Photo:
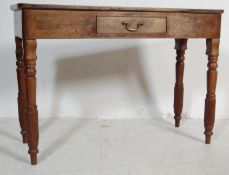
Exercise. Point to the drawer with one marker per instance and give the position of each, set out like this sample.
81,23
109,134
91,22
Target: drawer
123,24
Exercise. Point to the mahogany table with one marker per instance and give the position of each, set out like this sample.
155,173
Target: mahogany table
39,21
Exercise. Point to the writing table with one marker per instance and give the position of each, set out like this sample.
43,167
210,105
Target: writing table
40,21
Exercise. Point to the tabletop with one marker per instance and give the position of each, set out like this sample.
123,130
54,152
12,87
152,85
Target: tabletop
21,6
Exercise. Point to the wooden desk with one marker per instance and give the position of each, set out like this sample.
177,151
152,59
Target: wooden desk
33,21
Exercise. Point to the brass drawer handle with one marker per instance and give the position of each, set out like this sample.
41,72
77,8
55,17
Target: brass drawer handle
126,24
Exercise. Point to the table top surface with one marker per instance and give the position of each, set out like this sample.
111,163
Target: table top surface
22,6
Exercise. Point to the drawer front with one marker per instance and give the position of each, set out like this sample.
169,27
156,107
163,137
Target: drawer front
140,25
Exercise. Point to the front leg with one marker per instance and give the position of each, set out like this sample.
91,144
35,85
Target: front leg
180,46
210,101
31,109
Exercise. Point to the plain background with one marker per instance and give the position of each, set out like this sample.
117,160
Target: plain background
114,78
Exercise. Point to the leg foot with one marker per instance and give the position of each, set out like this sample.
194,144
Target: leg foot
177,122
208,137
33,158
24,137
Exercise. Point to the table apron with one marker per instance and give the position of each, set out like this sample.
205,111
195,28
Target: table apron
65,24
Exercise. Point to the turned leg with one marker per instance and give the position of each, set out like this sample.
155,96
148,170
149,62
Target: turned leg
180,46
210,101
21,87
31,109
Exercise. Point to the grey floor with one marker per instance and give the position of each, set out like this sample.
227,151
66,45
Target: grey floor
117,147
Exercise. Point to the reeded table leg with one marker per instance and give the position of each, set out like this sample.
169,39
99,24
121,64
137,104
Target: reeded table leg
21,88
210,101
180,46
31,109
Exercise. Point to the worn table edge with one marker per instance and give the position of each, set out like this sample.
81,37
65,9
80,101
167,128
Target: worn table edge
22,6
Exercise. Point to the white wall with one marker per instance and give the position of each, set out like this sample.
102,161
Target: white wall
114,78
